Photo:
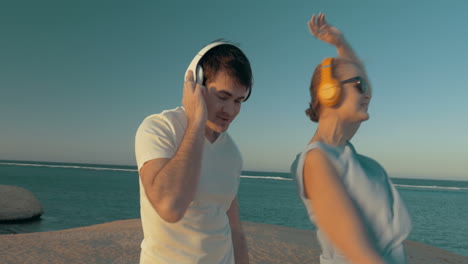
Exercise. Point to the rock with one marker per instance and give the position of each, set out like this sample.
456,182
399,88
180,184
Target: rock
119,243
17,203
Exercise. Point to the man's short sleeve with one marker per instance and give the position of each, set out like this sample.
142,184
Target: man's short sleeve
155,138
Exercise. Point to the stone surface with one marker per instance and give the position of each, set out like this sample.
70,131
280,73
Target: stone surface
17,203
119,242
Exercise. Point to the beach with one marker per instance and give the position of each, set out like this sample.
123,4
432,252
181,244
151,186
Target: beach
86,195
119,242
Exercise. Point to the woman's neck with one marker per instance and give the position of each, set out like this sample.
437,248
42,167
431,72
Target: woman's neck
335,132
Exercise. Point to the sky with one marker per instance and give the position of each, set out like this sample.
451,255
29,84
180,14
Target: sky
78,77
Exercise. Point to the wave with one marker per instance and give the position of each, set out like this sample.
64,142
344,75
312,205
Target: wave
65,166
397,185
267,177
242,176
431,187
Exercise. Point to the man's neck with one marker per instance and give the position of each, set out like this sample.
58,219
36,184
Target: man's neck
211,135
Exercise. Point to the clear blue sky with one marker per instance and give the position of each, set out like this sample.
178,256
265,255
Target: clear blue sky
78,77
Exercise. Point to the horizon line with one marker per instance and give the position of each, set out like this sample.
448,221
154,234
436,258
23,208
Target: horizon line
243,171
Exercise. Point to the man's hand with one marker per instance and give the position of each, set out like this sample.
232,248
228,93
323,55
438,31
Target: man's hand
194,100
319,27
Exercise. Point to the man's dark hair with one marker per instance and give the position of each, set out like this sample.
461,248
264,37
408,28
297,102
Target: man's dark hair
230,58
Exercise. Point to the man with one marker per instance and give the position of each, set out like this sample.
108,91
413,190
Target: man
190,167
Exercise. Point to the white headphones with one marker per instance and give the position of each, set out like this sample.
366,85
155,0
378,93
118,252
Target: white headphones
195,67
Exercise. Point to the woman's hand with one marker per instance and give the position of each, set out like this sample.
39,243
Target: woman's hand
327,33
319,27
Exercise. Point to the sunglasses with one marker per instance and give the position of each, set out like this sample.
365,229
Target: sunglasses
361,84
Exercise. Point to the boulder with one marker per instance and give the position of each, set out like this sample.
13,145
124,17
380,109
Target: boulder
17,203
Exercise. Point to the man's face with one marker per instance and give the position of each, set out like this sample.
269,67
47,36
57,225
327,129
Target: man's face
223,99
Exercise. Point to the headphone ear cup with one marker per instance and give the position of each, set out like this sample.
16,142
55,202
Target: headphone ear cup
329,94
329,90
199,75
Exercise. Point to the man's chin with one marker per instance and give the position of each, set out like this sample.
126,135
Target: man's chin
221,129
217,128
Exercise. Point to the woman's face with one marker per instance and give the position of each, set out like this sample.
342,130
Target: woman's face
354,103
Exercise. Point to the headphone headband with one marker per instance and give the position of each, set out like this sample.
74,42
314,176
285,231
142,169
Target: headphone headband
327,69
197,69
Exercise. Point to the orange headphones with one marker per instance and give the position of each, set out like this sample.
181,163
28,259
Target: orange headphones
329,90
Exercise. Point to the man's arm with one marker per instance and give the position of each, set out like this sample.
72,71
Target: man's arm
239,243
171,184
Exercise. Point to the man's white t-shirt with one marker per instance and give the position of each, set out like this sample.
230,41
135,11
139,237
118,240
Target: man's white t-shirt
203,235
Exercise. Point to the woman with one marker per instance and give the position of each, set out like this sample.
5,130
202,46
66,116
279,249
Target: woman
359,214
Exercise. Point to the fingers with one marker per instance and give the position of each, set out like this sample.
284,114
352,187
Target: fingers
192,87
193,98
202,89
189,76
322,24
318,25
321,20
189,84
312,26
325,23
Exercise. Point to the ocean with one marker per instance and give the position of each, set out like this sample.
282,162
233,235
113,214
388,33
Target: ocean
76,195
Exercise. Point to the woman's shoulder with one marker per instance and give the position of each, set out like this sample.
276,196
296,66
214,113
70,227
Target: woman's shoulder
318,155
323,147
321,150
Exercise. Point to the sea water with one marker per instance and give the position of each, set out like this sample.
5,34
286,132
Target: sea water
76,195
